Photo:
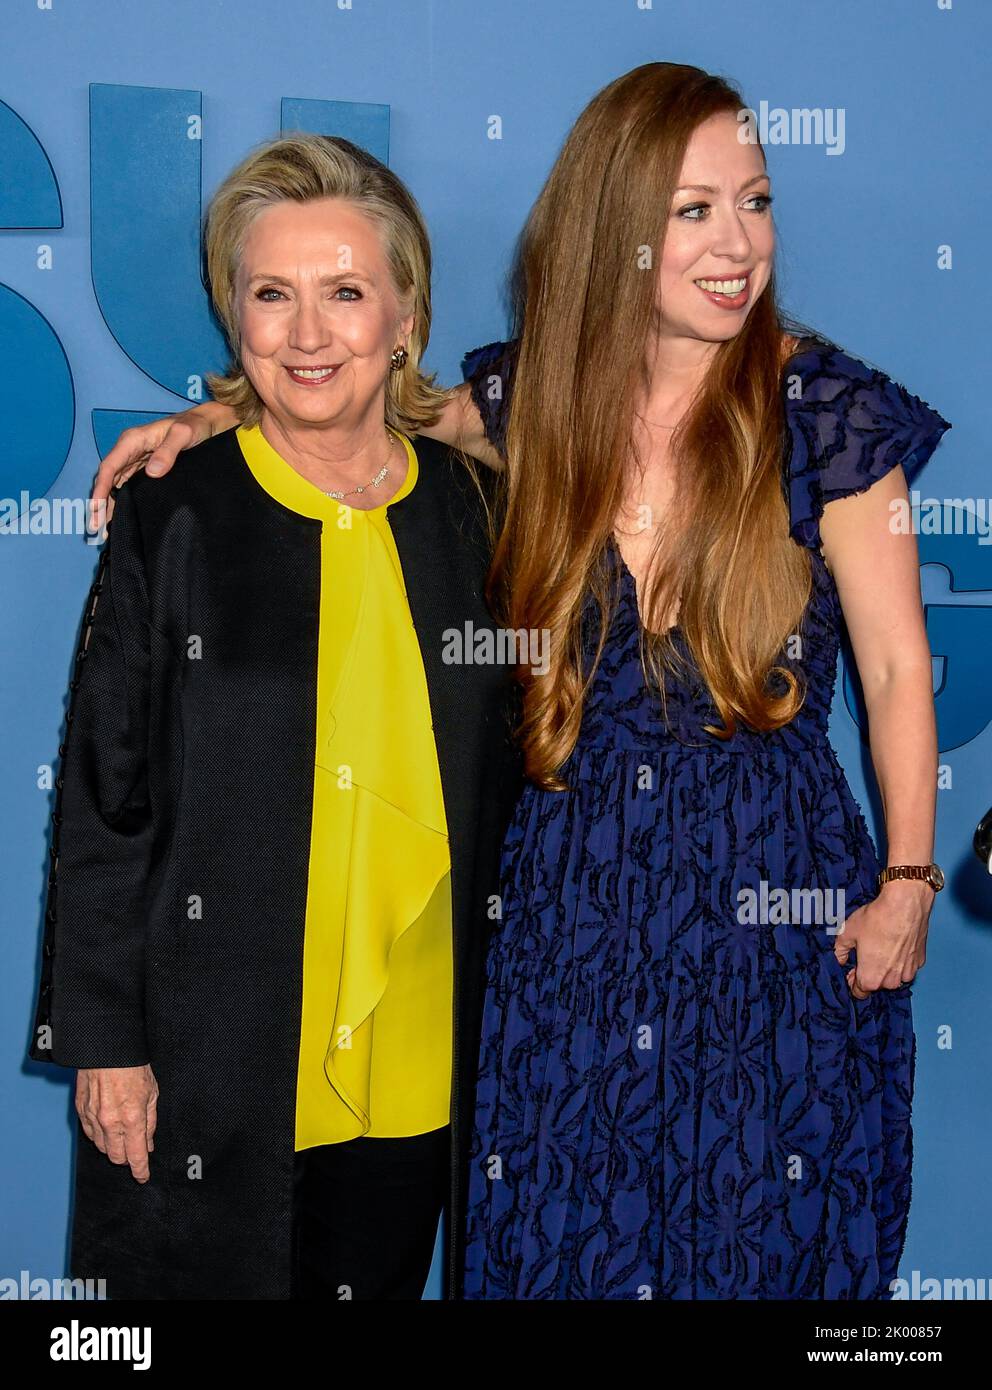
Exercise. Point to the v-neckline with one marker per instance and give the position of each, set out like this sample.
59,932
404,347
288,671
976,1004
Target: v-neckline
628,580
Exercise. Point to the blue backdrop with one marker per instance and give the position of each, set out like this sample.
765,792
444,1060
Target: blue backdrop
116,123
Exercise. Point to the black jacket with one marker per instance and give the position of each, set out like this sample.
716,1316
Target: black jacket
190,778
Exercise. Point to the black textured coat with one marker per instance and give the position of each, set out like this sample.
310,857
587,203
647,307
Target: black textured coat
186,777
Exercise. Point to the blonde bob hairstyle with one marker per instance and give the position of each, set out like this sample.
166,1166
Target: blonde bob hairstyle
300,167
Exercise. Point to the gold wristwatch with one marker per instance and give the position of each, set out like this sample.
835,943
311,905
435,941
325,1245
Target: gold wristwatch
929,873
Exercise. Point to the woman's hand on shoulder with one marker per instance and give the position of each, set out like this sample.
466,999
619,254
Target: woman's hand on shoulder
117,1108
154,447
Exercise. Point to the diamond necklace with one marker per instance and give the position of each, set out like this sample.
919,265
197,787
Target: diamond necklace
374,482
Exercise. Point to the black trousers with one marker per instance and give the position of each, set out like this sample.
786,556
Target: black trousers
365,1216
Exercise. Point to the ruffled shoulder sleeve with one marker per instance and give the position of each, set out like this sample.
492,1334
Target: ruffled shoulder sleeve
489,371
848,424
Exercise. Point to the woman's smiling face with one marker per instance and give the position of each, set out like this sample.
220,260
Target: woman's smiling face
315,293
720,241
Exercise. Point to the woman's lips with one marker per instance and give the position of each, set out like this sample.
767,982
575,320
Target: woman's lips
723,300
326,374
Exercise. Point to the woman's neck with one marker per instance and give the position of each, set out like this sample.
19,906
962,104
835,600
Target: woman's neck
335,457
674,369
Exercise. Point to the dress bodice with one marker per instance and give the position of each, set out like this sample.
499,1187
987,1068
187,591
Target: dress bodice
847,425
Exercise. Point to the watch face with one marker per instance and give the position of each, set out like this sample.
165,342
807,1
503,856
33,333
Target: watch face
936,877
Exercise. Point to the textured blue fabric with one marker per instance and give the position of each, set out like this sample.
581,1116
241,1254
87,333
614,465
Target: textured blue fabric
673,1103
851,424
489,370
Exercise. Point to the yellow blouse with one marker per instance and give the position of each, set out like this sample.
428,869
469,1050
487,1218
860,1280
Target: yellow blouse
375,1043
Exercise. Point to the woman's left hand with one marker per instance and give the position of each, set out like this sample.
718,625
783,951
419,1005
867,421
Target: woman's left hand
890,936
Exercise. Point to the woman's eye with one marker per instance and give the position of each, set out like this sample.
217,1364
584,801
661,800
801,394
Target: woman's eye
696,212
350,291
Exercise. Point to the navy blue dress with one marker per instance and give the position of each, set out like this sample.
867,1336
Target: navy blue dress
675,1102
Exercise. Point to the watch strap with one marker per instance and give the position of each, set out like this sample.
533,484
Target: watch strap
923,872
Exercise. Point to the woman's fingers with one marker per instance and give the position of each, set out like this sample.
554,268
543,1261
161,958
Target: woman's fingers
881,964
127,456
893,978
82,1105
151,1116
153,447
128,1142
854,987
184,431
843,947
87,1110
124,459
113,1105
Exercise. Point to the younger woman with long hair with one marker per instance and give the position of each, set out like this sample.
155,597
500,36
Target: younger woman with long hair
687,1089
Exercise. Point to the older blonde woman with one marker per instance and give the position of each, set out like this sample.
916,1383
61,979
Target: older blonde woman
279,808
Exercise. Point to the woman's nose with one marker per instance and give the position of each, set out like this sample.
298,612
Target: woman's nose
731,238
307,329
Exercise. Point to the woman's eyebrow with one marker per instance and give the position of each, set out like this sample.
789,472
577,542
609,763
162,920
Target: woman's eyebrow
324,279
708,188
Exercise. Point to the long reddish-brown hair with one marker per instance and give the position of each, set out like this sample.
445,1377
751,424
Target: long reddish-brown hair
740,582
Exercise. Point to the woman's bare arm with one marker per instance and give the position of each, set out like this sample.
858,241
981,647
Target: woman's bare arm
154,447
460,426
876,569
